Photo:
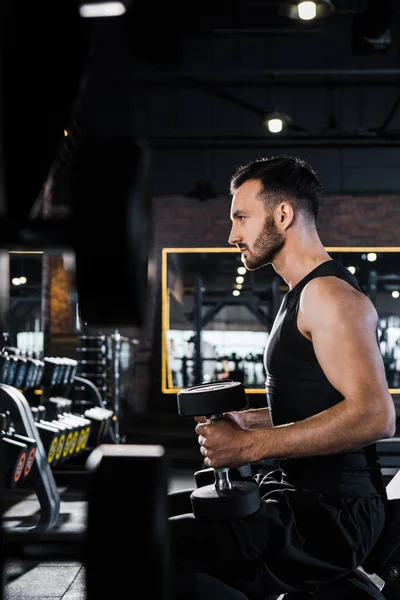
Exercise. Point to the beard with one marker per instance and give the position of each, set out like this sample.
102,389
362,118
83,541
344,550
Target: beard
266,247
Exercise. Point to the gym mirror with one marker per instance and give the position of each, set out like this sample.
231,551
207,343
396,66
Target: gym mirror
25,327
216,316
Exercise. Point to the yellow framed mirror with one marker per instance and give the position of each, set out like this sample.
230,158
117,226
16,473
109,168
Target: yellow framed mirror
216,319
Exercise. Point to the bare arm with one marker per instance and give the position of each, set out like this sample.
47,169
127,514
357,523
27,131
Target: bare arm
253,418
342,326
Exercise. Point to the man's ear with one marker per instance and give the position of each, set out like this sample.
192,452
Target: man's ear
285,215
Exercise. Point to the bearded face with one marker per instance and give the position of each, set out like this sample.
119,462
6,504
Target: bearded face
265,248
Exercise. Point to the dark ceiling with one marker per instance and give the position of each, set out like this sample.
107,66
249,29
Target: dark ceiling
156,70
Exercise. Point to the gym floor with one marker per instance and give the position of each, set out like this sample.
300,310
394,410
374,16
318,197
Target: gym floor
54,580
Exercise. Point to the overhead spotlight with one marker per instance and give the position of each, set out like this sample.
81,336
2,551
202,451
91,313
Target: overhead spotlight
275,122
90,9
306,11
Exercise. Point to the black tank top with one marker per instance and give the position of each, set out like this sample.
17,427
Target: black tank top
297,388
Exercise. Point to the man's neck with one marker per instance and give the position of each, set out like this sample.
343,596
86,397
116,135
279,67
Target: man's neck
294,266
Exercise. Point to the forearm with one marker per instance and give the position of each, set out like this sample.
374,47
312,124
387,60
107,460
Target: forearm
335,430
257,418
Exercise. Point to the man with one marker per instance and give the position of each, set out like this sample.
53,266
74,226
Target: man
328,403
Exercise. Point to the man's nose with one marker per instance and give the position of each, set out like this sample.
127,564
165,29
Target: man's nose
233,237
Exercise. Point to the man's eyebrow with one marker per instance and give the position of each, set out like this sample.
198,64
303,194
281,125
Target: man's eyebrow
239,213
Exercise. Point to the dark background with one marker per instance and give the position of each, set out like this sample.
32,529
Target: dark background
195,81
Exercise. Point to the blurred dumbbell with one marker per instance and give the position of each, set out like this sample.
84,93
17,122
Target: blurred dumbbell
67,431
100,421
84,428
32,366
12,370
39,375
57,405
51,369
62,441
75,430
50,439
7,429
20,374
4,366
31,453
14,454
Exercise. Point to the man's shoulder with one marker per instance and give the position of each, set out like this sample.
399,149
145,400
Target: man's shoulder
332,291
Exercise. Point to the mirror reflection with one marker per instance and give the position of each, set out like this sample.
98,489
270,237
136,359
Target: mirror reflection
217,316
25,327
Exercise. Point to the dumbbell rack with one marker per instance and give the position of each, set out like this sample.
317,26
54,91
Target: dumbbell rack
41,475
95,365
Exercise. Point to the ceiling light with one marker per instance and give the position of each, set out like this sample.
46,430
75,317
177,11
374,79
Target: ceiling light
90,9
275,122
306,11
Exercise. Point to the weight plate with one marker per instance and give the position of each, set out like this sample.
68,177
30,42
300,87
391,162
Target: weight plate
212,398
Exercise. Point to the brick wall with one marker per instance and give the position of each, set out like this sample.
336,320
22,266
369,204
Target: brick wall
185,222
58,308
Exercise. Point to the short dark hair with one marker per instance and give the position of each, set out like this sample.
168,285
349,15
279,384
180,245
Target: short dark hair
283,176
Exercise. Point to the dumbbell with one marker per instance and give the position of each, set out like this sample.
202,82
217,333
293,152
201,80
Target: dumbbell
14,456
31,453
84,427
50,436
205,476
75,430
100,418
224,498
7,429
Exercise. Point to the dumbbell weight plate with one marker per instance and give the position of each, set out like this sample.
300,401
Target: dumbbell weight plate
49,436
211,398
62,437
31,453
66,436
241,500
58,444
15,455
74,431
82,424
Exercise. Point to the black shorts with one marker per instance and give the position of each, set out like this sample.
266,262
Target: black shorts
296,540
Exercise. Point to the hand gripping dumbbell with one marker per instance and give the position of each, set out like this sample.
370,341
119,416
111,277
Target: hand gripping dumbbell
223,498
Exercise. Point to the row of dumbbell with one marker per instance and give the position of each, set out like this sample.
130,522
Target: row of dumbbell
62,438
67,434
30,373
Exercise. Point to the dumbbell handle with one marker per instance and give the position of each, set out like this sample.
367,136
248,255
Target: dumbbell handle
222,479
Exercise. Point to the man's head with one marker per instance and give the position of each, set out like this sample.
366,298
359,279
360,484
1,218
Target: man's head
269,195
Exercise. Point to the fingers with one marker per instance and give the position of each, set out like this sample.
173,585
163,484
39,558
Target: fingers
200,419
